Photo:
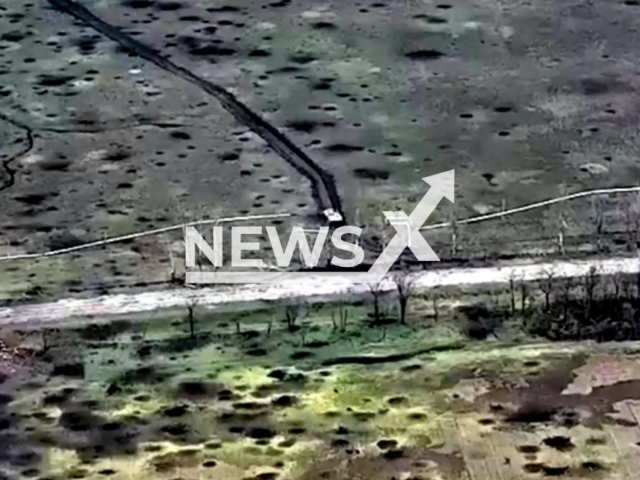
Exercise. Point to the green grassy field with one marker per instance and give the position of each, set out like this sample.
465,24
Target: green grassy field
252,397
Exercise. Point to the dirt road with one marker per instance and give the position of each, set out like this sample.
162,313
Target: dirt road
323,186
313,285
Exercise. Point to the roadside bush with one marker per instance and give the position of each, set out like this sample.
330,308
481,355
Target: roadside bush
595,307
481,320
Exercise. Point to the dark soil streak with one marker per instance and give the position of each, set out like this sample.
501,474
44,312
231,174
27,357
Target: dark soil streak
6,164
322,183
396,357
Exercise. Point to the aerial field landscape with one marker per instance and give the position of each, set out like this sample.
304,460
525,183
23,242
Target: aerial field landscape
516,356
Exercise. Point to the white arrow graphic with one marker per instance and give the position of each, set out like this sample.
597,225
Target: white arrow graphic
407,227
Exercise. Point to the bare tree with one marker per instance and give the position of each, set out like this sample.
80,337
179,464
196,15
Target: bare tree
524,295
561,234
173,274
405,286
50,338
512,292
303,336
269,326
343,316
618,286
631,223
292,313
547,285
455,230
590,283
561,218
376,291
598,214
192,303
567,286
435,296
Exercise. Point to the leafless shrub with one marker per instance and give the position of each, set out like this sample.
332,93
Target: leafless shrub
376,292
192,303
547,285
343,317
405,287
292,314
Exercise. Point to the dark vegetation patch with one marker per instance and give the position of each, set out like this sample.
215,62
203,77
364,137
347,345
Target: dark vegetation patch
554,471
280,3
259,53
146,374
426,54
223,9
13,36
93,436
302,58
99,332
343,148
323,26
212,50
594,86
528,449
87,44
596,441
533,413
396,357
118,154
137,3
533,467
180,135
393,453
60,240
482,320
168,6
559,442
72,370
285,401
593,307
55,164
176,429
432,19
591,466
196,389
306,126
54,80
301,355
31,198
229,156
371,173
387,444
260,433
175,411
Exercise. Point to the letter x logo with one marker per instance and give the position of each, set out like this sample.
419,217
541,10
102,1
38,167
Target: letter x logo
408,226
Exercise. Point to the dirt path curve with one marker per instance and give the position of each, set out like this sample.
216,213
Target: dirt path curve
323,185
312,285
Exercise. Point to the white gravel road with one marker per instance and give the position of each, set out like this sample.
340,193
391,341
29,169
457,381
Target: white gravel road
309,286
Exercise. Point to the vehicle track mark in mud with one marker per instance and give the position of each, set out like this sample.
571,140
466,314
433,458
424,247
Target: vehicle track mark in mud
322,183
6,164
